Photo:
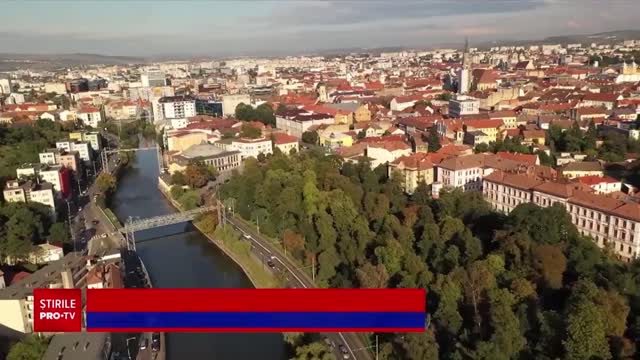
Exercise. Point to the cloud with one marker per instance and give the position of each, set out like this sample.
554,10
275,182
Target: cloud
296,26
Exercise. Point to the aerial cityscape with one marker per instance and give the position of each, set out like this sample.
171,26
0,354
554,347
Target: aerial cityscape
487,153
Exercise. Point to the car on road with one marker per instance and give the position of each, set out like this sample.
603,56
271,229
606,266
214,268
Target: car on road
144,343
344,352
155,341
95,222
247,236
271,261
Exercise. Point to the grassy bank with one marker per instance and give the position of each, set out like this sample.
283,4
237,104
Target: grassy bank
228,240
112,217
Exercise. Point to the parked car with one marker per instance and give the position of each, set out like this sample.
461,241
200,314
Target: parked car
144,343
344,352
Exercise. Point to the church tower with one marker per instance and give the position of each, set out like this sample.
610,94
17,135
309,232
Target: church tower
464,74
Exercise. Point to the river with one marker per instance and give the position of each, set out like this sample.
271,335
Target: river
179,259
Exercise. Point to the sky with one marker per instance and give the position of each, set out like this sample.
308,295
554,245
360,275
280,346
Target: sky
219,28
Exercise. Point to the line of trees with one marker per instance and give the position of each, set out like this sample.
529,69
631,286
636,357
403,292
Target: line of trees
527,285
20,145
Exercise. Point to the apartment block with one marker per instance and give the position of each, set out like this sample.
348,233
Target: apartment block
610,222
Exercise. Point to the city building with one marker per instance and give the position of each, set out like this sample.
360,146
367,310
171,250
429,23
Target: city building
285,143
56,175
230,102
601,184
68,159
6,87
153,78
77,85
463,105
252,147
46,253
177,107
56,88
84,149
90,116
209,107
182,140
611,223
412,170
334,140
30,191
296,122
582,168
466,172
105,276
222,159
79,346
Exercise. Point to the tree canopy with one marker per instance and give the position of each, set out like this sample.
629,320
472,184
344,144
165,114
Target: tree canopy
262,113
499,287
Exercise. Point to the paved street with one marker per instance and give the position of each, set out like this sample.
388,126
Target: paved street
265,250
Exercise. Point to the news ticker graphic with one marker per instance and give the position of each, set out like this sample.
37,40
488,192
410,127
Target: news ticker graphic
256,310
247,310
57,310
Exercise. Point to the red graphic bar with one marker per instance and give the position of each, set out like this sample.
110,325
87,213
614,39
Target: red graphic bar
258,300
256,330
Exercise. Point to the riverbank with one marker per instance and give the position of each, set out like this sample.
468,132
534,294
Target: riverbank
228,240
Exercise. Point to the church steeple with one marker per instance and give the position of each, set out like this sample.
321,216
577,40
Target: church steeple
466,63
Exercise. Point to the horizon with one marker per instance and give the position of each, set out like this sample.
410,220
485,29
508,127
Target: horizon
203,29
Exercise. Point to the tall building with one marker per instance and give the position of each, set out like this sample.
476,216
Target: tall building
464,74
178,107
463,105
5,86
153,78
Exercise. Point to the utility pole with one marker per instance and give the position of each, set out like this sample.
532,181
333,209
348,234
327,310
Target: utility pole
376,347
313,269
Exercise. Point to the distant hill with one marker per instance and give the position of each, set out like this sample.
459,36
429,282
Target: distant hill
600,38
54,61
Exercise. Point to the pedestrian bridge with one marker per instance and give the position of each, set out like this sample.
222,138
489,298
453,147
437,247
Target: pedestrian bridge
163,220
132,226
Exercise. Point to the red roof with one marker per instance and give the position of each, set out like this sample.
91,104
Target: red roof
529,159
374,85
603,97
594,180
88,109
282,138
418,161
484,124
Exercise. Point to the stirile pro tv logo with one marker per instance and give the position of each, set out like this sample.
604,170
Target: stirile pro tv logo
57,310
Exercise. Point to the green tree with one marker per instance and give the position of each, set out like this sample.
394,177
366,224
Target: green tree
551,263
420,346
372,276
59,233
178,178
106,183
433,140
189,200
310,137
197,174
250,132
362,134
586,333
31,347
314,351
